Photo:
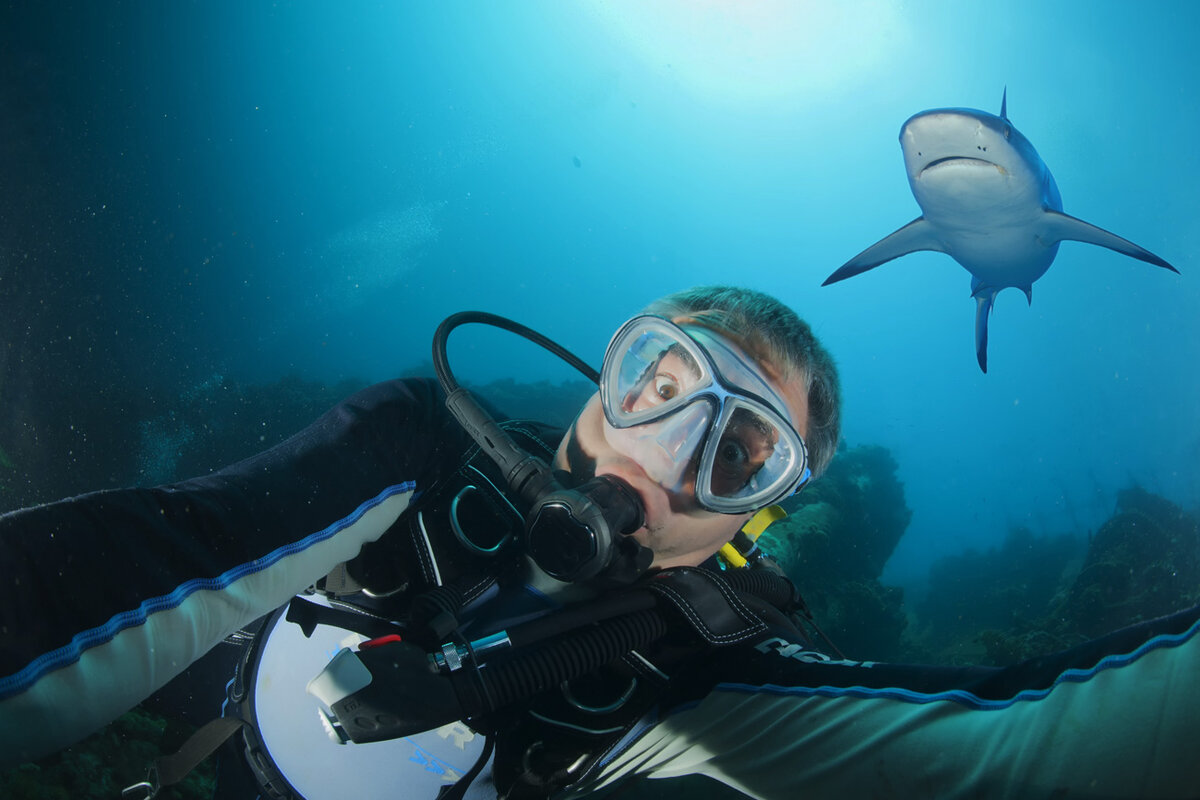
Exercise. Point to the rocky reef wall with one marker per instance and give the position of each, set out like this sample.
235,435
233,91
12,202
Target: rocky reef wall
837,537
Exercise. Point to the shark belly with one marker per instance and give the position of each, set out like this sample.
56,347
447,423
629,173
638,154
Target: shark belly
1000,257
987,219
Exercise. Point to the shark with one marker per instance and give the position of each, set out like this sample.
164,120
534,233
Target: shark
989,202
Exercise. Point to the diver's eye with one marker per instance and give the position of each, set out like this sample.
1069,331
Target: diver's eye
732,467
665,387
732,457
746,444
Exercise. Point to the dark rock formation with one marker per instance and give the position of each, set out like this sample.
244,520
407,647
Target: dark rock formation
99,767
1143,562
1008,605
839,533
995,589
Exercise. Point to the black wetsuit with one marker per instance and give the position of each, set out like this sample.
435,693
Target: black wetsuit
109,595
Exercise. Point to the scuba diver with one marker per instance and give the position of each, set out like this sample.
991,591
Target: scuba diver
547,608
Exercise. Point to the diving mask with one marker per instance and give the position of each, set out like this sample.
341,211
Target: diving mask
690,408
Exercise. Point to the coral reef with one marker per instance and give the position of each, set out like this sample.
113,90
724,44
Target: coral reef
839,533
1008,606
1141,564
99,767
1000,588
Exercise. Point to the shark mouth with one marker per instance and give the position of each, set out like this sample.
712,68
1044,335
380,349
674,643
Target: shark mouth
959,161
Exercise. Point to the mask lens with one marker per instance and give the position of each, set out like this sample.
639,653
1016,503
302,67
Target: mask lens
652,372
753,456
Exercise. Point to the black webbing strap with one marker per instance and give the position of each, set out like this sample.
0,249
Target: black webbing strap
459,789
308,615
170,770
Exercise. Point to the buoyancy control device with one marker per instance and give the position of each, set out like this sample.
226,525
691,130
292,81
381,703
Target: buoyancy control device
405,679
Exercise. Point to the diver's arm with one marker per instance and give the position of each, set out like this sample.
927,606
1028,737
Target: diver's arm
1119,717
109,595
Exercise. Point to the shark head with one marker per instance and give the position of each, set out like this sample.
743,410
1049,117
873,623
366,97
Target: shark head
976,158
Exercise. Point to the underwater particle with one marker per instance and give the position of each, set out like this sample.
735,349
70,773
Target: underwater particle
5,461
575,160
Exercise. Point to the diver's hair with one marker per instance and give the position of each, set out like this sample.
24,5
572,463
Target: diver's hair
771,332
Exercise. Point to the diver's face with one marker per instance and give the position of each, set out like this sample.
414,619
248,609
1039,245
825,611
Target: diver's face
676,529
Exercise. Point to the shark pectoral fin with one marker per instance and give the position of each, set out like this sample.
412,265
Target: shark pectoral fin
1058,226
916,235
983,310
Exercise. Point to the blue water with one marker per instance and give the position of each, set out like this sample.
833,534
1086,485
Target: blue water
194,189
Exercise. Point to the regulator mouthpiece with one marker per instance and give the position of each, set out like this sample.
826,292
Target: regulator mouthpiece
577,534
571,534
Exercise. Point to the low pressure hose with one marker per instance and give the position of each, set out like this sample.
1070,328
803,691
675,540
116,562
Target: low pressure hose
572,534
631,621
527,475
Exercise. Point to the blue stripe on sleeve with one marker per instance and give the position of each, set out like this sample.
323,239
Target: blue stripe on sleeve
70,653
961,696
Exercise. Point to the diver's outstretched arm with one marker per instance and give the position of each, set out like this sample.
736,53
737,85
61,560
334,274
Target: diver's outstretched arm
1116,717
109,595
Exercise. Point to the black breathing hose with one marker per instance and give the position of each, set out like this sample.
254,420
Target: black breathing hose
626,623
501,683
441,363
577,617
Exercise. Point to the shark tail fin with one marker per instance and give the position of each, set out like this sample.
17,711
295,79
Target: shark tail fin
983,310
1004,104
1058,226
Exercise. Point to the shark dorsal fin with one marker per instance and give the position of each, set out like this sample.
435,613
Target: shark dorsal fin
1004,104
